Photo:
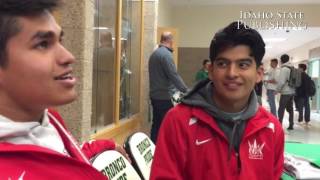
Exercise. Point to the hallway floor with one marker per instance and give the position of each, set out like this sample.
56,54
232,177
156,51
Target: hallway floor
301,133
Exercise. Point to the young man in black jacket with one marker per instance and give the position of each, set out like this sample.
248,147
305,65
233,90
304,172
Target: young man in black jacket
303,97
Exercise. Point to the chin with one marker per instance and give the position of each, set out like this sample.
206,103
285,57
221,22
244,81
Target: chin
72,98
232,97
68,98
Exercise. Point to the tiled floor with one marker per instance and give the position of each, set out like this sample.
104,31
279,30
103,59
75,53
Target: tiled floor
301,133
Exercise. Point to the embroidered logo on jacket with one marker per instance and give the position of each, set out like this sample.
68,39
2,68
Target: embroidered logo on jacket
198,143
192,121
271,126
255,150
20,177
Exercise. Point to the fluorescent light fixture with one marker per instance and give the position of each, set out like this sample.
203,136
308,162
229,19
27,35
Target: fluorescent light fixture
268,47
123,39
100,28
274,39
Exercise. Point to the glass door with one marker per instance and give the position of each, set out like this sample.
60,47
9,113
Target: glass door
314,72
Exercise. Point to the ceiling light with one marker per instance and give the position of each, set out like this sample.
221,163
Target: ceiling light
268,47
123,39
274,39
100,28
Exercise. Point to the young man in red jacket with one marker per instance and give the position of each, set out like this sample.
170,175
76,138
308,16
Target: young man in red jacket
219,131
36,73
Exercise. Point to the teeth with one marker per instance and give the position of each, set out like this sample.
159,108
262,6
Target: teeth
67,76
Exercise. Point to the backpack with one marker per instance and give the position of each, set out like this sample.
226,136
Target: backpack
307,88
294,80
310,88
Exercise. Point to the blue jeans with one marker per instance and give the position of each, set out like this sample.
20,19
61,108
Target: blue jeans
272,101
159,110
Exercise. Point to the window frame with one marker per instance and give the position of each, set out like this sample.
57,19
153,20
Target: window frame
122,128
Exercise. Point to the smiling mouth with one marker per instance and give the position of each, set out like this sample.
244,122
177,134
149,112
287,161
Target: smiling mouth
232,86
64,77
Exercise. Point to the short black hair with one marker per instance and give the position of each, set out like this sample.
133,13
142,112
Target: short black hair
235,34
274,60
303,67
10,10
284,58
205,61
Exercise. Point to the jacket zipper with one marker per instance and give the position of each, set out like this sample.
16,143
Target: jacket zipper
238,163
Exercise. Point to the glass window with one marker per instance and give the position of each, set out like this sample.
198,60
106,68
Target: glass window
103,88
315,69
130,58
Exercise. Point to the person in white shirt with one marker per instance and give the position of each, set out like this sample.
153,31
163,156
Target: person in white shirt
271,85
287,92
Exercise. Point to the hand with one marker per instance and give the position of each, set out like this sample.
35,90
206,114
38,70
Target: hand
272,81
123,152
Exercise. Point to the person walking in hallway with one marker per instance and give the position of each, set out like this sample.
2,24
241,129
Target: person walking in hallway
164,78
219,131
303,96
271,85
287,92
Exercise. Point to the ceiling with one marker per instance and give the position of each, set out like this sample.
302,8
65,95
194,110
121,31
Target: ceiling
281,41
226,2
290,39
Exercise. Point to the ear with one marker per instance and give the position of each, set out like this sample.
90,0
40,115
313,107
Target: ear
2,75
260,72
210,71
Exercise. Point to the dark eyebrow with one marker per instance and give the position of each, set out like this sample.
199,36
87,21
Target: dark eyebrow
225,59
221,59
246,59
46,35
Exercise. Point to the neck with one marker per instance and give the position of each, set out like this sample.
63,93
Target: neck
166,45
229,106
17,113
21,116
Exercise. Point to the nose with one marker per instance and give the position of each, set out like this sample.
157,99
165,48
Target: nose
65,57
232,71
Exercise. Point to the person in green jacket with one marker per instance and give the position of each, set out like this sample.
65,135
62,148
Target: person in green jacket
203,72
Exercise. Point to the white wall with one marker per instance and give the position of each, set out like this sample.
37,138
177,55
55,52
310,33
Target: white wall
164,13
197,24
302,53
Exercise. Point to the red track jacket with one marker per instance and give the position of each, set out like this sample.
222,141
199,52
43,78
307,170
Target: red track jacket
31,162
191,146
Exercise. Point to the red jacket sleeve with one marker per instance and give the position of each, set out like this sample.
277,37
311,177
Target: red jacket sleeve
169,158
279,154
94,147
91,148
